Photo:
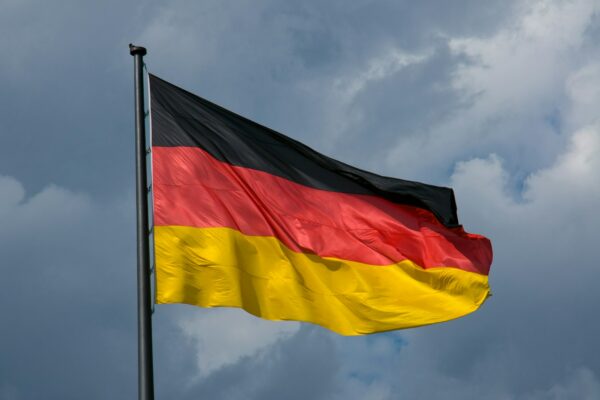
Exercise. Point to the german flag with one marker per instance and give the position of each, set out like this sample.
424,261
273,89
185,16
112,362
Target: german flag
247,217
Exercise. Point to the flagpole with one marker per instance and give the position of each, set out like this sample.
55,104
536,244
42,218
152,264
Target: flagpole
145,368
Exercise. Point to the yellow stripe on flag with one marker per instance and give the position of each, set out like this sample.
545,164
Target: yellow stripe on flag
211,267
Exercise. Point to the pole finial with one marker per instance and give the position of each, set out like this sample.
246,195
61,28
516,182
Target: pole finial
133,50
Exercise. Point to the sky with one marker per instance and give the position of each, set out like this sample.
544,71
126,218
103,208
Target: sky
497,99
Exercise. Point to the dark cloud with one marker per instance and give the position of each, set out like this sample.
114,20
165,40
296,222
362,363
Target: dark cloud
301,367
66,101
67,297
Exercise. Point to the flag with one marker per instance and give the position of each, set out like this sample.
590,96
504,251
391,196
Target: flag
247,217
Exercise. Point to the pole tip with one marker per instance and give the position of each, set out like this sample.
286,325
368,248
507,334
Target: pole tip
133,50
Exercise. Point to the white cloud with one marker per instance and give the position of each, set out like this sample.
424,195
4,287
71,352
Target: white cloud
521,64
583,90
51,206
513,86
12,193
561,194
576,171
391,61
340,94
222,337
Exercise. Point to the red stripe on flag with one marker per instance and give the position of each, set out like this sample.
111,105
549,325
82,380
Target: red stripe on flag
191,188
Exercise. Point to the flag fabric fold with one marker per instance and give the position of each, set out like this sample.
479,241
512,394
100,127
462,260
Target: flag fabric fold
247,217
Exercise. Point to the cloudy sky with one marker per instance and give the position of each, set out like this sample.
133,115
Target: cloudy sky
498,99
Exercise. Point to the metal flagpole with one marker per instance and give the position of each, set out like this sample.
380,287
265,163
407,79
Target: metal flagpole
145,373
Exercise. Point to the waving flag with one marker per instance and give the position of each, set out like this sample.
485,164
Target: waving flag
247,217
